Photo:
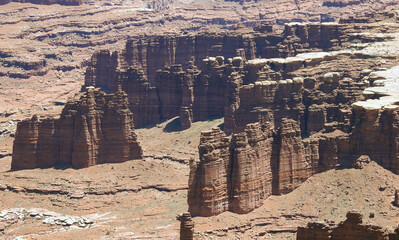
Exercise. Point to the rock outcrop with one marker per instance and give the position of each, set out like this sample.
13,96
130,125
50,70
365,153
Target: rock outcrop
98,128
206,75
352,228
238,173
376,134
289,162
154,53
186,227
251,170
208,180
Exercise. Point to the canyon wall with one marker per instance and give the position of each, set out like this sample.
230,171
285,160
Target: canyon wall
153,53
284,132
192,84
168,76
267,158
249,166
98,128
238,173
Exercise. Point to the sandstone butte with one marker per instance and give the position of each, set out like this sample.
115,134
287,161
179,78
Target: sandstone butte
97,128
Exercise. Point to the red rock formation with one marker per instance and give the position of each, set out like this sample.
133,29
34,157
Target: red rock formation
169,82
209,89
98,128
340,3
290,167
186,110
156,52
251,173
101,70
186,227
316,118
376,134
31,150
314,231
237,174
258,162
242,92
208,194
269,101
350,229
143,98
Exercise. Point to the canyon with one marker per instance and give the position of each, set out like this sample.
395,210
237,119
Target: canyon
241,119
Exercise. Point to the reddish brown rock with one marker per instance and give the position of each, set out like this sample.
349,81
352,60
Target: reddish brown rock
269,101
31,150
208,182
290,167
251,173
239,173
376,134
156,52
313,231
186,110
98,128
101,70
143,98
186,227
316,119
396,198
352,228
340,3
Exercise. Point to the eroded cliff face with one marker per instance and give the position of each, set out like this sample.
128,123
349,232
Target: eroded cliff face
205,75
292,130
98,128
154,53
248,167
290,167
376,134
251,170
209,177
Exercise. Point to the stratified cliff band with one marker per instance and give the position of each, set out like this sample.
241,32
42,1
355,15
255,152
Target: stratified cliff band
98,128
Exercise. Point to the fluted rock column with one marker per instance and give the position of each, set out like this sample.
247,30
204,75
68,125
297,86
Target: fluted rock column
251,175
208,183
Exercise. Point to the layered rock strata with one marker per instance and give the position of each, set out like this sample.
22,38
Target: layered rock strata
98,128
153,53
197,87
352,228
348,138
186,227
238,173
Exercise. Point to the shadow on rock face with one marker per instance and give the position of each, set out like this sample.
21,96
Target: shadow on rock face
173,126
